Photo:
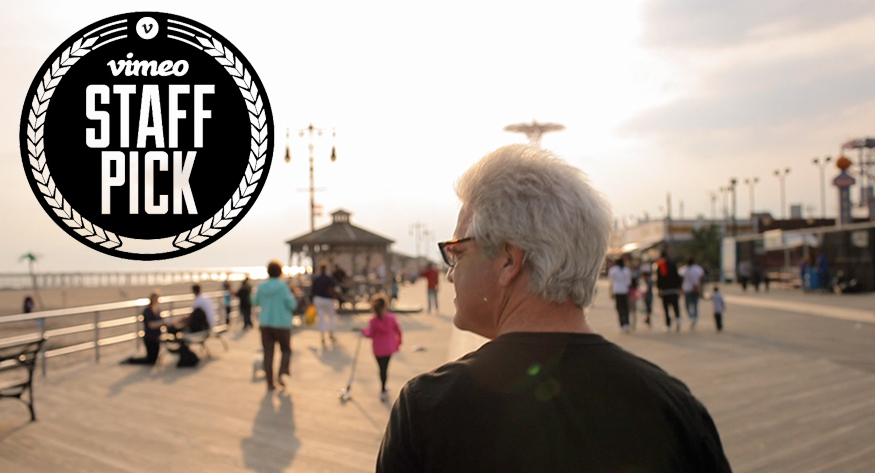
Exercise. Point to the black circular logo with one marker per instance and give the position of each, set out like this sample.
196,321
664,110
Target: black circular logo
146,136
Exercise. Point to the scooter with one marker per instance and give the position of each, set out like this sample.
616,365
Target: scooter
344,394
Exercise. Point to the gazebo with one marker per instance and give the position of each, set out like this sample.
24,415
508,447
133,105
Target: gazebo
341,240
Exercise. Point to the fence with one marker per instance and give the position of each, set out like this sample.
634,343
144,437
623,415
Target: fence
79,329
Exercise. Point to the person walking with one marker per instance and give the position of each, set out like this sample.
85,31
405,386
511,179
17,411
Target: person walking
28,304
693,280
545,393
756,274
744,274
324,291
385,332
719,308
394,296
668,284
621,279
244,297
823,271
275,323
342,287
647,296
634,291
226,301
431,276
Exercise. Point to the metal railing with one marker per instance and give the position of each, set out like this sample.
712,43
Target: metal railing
106,322
25,281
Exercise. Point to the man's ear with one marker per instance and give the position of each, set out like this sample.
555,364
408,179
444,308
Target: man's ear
511,260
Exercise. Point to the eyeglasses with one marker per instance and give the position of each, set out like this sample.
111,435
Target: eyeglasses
447,251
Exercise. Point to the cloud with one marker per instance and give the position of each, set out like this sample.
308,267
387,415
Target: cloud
690,24
762,96
745,92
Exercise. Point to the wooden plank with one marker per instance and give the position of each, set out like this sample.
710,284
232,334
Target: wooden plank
780,404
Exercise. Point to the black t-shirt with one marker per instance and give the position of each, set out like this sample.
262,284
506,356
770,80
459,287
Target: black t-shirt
549,402
150,333
323,285
244,294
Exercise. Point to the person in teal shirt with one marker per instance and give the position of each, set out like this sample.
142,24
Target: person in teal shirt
275,322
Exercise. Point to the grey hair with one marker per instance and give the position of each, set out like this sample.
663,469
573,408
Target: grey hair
532,199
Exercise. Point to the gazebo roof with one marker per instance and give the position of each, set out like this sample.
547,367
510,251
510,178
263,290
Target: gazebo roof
340,233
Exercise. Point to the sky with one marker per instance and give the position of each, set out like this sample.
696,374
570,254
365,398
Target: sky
657,96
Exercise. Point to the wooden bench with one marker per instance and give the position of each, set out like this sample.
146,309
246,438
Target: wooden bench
17,361
171,341
200,338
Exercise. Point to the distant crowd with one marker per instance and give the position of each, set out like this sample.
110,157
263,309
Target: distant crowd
632,284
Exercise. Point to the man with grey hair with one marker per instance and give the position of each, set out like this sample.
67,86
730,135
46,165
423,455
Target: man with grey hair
546,393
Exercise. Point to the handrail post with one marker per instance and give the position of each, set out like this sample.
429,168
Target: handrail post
42,334
139,341
97,337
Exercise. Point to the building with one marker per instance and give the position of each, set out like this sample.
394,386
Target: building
358,251
648,238
782,247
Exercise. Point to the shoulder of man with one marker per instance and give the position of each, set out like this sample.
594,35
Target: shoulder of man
421,411
439,389
691,418
425,404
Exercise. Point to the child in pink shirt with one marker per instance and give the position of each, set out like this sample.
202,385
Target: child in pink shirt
386,333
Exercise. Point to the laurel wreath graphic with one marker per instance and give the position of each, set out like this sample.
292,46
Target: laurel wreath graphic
258,147
187,239
35,146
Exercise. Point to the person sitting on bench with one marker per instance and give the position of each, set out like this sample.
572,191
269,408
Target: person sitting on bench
194,323
201,302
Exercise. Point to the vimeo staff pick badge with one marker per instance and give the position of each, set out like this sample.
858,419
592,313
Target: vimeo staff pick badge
146,136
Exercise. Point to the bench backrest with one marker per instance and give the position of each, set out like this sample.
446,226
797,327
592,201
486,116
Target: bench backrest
23,354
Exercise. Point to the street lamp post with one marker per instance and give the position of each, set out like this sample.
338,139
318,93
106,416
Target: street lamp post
751,183
782,175
732,183
318,131
420,231
713,204
668,217
821,163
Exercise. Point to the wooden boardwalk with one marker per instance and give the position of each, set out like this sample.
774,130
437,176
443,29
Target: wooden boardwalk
789,392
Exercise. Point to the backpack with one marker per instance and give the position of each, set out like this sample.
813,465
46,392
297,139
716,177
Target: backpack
187,358
667,276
